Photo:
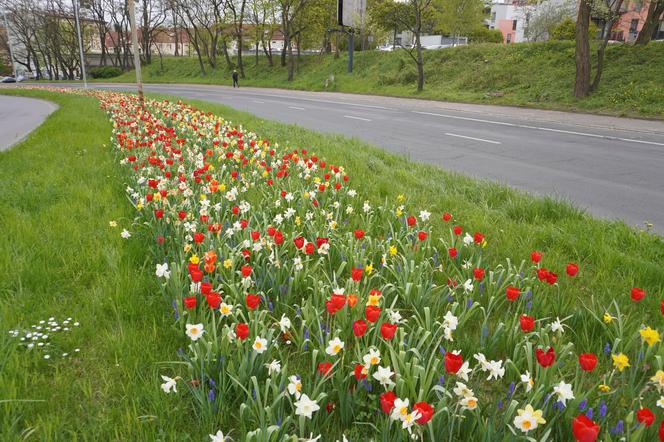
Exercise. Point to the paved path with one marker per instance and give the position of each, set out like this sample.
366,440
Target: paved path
19,116
614,167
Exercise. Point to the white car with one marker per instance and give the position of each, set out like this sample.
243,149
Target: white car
436,47
389,48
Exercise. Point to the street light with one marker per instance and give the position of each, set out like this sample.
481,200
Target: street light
80,43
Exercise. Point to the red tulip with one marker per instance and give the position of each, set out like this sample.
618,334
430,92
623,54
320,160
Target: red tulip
388,330
452,252
159,213
356,274
199,237
527,323
457,230
587,361
196,274
545,359
572,269
299,242
411,220
661,306
213,299
453,362
372,313
512,293
426,412
645,416
359,328
278,238
242,331
536,256
551,278
189,302
324,368
271,231
246,271
637,294
359,369
255,235
422,235
584,429
206,288
478,273
447,216
542,273
252,301
309,248
387,401
359,234
320,241
661,432
478,237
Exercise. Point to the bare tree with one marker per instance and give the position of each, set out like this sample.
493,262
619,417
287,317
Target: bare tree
655,11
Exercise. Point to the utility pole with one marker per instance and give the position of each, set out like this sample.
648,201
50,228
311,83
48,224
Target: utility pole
134,49
9,44
351,48
80,43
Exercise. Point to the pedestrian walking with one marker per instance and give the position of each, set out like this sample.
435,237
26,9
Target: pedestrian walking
235,78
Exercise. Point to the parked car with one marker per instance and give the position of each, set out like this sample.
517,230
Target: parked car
8,80
436,46
388,48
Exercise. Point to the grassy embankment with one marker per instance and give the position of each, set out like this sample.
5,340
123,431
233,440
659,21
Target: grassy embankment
530,74
60,258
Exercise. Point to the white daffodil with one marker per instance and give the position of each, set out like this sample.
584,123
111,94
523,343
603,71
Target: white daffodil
557,326
162,271
464,371
563,391
125,234
383,376
195,331
284,323
468,239
462,390
450,321
273,367
409,420
495,369
225,309
528,381
217,437
468,403
660,402
425,215
528,419
305,406
294,386
259,345
468,286
169,384
371,358
400,409
334,347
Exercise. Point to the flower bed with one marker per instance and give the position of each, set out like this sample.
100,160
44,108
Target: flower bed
308,311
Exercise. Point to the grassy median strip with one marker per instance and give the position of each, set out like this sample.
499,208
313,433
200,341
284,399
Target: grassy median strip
60,258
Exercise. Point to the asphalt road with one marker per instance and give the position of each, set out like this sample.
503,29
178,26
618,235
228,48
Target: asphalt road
19,116
613,167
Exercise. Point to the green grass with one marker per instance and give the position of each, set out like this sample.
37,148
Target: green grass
59,258
537,75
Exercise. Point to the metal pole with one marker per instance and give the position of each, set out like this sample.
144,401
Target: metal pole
134,49
351,48
9,44
80,44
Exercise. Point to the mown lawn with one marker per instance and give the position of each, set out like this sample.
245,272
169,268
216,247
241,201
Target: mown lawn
60,258
539,75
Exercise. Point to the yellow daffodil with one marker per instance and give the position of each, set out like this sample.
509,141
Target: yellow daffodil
186,248
608,318
157,196
202,197
393,250
604,388
139,206
194,259
113,223
228,263
620,361
401,198
222,187
650,336
368,269
658,380
374,300
298,221
398,212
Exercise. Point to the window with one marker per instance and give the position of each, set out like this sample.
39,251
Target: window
493,16
634,25
509,38
514,25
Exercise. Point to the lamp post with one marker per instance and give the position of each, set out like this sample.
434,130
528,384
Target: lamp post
80,43
134,49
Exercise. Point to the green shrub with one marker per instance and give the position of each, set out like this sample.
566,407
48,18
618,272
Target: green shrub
566,30
485,35
105,72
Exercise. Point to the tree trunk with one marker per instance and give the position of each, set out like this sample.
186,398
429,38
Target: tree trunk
655,11
420,64
582,83
283,51
291,61
605,41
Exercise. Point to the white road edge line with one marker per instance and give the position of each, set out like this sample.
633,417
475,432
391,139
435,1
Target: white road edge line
548,129
473,138
295,107
258,101
356,118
